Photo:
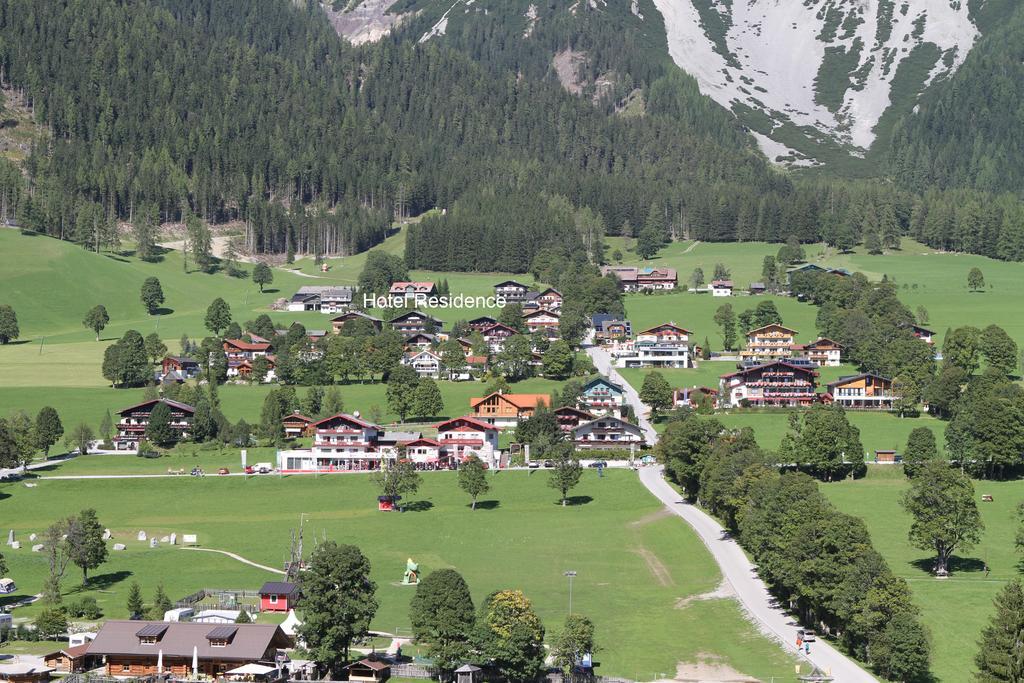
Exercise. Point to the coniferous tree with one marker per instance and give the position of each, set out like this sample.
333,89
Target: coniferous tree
1000,658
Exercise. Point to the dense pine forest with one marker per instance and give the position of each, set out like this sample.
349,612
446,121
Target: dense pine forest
162,110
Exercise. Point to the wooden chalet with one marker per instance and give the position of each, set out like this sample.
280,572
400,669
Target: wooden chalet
511,291
239,349
822,352
774,384
721,287
506,410
426,363
72,660
569,418
146,648
864,391
549,299
601,395
922,333
666,333
541,318
131,428
482,323
633,279
415,322
297,425
337,323
369,670
178,369
496,334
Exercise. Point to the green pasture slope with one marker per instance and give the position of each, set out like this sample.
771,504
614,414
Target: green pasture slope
634,563
955,609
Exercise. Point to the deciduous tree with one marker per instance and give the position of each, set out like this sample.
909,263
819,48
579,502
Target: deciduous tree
8,324
152,295
85,542
96,319
946,518
473,479
48,429
656,393
567,469
443,618
218,316
975,280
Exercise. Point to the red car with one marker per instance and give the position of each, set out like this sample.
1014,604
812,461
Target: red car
249,469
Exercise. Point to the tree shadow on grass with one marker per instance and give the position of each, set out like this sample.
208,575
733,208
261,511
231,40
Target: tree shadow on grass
956,564
487,504
116,257
417,506
18,342
4,495
576,500
102,582
270,290
163,311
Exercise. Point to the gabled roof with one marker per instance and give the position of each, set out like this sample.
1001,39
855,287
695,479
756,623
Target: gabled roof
425,352
917,328
355,314
184,360
279,587
609,418
541,311
417,287
472,421
247,346
569,410
172,404
745,371
420,335
824,341
496,326
722,283
506,283
518,400
410,314
673,326
482,319
765,327
602,380
345,417
549,290
757,285
853,378
422,441
251,641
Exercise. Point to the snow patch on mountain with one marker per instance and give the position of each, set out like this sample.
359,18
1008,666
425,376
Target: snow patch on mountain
826,64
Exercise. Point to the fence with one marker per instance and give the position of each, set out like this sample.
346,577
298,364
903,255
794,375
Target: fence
221,598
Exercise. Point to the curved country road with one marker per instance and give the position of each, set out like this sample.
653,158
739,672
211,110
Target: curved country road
241,559
736,567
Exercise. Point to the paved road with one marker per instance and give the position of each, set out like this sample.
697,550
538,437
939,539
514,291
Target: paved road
737,569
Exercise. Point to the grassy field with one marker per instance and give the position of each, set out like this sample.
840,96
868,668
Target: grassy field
969,590
634,562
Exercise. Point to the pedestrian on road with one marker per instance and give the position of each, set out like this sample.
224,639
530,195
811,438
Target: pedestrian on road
807,648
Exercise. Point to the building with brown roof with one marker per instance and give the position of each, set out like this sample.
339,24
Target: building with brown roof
506,410
144,648
131,428
72,660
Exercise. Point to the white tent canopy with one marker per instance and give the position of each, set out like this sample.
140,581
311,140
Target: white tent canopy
251,670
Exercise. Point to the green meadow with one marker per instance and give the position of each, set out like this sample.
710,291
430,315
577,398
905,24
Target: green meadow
635,564
970,589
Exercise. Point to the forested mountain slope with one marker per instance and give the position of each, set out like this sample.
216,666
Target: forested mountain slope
970,131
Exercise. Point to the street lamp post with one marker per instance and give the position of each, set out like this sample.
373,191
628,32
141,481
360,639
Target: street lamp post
571,573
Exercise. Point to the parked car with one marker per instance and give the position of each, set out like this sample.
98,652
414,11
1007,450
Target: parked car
223,470
549,463
249,469
533,465
810,636
264,467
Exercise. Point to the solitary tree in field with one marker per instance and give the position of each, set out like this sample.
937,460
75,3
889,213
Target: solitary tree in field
218,316
8,324
96,319
85,542
262,275
975,279
48,429
1001,657
152,295
473,479
442,618
946,518
337,602
567,472
726,320
697,278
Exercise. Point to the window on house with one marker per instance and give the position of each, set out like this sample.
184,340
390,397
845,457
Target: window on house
126,667
273,599
218,642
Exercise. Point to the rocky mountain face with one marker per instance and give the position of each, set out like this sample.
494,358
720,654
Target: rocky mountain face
832,66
